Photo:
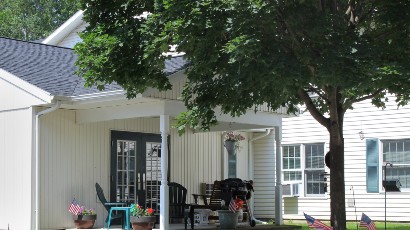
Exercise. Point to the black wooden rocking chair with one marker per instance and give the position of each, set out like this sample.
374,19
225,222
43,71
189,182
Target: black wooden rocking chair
108,205
177,200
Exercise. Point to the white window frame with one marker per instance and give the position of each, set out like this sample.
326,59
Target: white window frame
382,163
303,168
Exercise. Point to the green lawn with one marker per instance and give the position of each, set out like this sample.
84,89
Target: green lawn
353,225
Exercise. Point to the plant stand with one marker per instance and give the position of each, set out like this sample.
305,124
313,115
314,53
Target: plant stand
142,222
84,221
228,219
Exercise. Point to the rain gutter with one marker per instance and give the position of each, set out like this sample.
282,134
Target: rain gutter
37,143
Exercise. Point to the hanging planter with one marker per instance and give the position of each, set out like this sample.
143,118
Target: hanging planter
232,142
230,147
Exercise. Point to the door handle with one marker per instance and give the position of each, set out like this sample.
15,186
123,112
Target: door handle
144,181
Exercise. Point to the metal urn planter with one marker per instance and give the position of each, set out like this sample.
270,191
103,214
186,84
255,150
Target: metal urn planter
142,222
228,219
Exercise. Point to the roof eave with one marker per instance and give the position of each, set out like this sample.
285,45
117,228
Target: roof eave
31,89
62,31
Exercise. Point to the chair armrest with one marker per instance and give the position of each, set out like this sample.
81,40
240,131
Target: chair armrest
113,204
202,196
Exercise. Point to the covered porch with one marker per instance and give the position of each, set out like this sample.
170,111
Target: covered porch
79,134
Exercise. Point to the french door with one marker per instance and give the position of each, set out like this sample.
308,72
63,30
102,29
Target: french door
135,168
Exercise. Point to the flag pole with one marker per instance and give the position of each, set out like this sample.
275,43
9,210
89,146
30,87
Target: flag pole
354,204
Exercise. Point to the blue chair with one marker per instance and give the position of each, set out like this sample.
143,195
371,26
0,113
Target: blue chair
108,205
127,216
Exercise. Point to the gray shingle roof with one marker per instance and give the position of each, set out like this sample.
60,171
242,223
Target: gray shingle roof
52,68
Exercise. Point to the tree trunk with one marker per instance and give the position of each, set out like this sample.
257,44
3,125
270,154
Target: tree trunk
337,169
337,183
334,125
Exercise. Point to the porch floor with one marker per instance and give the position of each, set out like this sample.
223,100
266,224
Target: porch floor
242,226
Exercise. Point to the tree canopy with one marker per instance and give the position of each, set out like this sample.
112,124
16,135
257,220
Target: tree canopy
246,53
32,20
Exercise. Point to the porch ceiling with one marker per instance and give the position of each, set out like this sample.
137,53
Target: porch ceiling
151,107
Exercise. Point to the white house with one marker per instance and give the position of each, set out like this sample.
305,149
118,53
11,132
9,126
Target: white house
57,139
373,137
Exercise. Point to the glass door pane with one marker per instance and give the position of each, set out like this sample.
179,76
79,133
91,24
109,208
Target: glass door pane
125,178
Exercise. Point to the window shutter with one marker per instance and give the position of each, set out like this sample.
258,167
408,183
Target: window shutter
372,165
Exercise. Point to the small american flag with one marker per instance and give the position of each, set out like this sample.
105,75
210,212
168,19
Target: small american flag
74,207
232,206
313,223
367,222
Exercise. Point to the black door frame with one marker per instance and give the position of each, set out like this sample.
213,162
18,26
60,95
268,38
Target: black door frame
141,139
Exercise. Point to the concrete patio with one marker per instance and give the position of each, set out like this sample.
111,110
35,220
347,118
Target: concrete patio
242,226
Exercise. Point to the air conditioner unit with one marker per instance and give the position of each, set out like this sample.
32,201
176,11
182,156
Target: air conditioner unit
291,190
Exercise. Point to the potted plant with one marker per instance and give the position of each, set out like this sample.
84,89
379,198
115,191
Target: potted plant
142,219
232,142
85,218
228,216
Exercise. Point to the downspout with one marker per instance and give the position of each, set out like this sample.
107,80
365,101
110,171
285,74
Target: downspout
38,115
250,164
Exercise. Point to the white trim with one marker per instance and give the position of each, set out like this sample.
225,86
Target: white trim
164,190
59,34
25,86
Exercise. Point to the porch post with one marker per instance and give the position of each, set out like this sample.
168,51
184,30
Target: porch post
164,194
278,186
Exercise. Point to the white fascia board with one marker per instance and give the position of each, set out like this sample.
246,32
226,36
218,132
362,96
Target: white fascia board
102,99
61,32
99,97
31,89
262,119
147,109
250,120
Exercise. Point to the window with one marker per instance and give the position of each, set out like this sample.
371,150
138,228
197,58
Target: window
397,152
305,163
291,164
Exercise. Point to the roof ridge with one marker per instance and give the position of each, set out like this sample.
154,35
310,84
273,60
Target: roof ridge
37,43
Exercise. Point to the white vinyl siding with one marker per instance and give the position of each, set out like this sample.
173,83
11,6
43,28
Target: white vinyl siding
391,123
20,98
264,177
16,189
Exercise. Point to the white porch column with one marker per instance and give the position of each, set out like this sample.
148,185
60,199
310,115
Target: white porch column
278,186
164,194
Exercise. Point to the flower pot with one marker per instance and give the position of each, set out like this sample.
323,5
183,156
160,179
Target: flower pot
142,222
230,147
228,219
84,221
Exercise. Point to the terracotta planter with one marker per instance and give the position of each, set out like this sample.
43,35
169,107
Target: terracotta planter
142,222
230,147
228,219
84,221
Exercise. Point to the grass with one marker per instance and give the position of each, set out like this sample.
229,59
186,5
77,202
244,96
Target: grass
353,225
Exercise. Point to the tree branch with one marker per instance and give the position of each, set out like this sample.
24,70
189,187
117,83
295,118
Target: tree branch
370,96
316,90
313,110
